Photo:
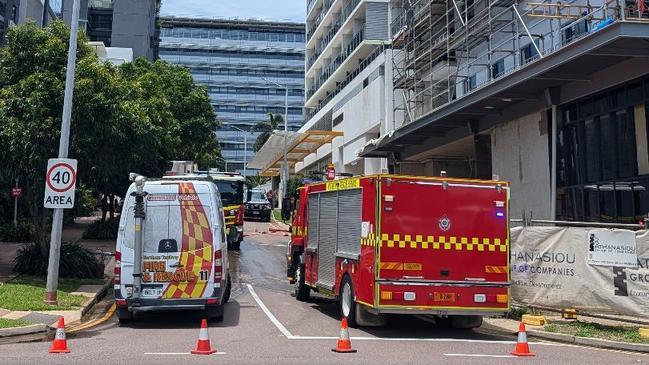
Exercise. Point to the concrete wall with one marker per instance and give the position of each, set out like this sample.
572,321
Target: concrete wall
520,155
134,26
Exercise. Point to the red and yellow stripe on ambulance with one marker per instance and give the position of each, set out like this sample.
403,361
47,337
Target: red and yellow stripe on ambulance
193,262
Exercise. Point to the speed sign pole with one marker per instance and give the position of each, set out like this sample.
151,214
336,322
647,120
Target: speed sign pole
57,220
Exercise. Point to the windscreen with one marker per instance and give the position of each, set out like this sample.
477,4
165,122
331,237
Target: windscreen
258,195
231,192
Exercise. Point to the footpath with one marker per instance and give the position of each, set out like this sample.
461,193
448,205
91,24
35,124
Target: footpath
33,322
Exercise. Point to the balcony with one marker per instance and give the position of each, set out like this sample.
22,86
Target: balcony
331,34
318,20
350,76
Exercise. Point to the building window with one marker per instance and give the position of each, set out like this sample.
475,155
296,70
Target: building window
529,53
598,178
498,68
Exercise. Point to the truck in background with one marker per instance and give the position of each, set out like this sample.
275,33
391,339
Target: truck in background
389,244
231,186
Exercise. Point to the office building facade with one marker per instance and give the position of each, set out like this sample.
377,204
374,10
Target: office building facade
21,11
245,66
348,81
551,97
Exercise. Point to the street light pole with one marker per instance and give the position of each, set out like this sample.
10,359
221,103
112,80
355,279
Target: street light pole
245,149
57,220
284,170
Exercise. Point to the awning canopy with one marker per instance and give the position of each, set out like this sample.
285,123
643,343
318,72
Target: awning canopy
298,146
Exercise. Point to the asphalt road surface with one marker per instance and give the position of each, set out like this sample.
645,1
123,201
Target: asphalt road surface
264,324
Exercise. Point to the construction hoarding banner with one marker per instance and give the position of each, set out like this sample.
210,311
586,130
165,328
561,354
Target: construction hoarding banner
551,267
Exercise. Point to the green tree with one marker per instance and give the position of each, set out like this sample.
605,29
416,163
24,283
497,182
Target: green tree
191,117
134,118
267,128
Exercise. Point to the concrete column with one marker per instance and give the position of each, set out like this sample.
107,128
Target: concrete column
482,149
642,152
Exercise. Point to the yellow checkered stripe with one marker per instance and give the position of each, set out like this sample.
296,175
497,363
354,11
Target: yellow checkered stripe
369,241
443,243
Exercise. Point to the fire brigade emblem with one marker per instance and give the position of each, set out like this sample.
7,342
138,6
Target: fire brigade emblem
444,223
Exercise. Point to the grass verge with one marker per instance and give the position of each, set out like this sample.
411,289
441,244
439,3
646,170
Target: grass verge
26,293
8,323
593,330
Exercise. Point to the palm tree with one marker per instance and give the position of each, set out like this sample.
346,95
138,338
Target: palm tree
267,128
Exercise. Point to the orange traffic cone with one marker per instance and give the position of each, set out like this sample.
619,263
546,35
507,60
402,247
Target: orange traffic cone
344,344
203,346
60,345
522,347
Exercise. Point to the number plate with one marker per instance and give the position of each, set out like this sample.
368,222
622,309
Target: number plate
444,297
255,212
151,292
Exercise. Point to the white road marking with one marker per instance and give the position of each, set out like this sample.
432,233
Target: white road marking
290,336
425,339
480,355
268,313
178,353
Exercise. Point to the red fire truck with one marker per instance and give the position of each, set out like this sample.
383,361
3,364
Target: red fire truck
389,244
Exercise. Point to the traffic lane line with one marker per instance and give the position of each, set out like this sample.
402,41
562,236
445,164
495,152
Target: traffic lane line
482,355
179,353
290,336
268,313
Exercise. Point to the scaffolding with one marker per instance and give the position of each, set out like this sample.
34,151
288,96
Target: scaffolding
444,50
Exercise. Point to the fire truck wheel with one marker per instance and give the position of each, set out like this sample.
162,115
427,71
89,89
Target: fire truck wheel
347,303
302,291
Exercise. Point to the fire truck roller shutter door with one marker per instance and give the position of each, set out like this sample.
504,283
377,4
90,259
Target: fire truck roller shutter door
313,220
349,222
327,238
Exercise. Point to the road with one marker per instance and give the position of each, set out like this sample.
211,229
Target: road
264,324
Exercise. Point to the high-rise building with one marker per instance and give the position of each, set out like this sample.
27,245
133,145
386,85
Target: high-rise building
246,66
21,11
120,23
348,81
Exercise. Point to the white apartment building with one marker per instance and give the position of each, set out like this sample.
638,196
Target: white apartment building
348,81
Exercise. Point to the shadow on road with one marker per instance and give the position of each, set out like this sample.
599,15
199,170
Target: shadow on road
402,326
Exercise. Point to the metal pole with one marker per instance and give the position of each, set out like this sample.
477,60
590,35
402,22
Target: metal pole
57,220
139,215
245,153
553,174
16,207
285,163
46,6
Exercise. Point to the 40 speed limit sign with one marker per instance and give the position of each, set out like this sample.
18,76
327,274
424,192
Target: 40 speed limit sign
60,183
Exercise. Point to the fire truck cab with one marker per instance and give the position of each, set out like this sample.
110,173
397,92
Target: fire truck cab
389,244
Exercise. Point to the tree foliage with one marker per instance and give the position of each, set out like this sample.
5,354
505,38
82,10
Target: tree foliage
132,118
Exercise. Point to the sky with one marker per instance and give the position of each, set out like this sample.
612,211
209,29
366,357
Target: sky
278,10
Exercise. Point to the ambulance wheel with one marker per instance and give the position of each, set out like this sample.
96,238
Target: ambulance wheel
215,313
228,290
347,303
302,291
124,316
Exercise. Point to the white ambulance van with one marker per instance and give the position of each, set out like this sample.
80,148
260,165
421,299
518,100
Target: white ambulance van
184,258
